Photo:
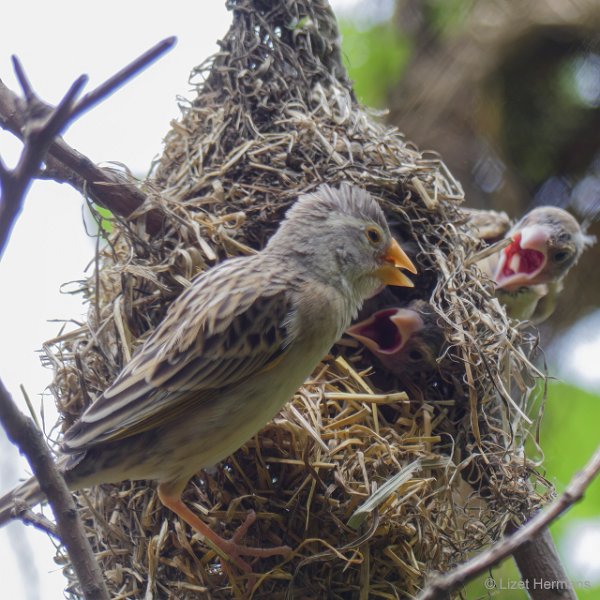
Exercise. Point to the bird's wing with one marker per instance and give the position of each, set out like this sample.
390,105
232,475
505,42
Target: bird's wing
231,323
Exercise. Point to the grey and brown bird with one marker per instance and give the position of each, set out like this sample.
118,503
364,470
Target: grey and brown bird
231,350
529,272
407,341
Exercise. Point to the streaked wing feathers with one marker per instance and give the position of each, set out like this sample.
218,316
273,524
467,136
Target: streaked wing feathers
231,323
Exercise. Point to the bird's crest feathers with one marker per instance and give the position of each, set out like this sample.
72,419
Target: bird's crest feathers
346,200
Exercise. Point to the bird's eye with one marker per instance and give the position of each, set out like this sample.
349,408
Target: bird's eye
560,256
415,355
374,235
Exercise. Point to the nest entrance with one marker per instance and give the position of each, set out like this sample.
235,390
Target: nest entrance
371,483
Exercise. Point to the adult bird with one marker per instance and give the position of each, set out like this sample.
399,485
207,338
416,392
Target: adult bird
231,350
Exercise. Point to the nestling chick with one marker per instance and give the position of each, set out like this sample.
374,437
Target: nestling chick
232,349
529,272
407,341
546,243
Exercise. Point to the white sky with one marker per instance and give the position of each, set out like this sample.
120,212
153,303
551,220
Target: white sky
56,42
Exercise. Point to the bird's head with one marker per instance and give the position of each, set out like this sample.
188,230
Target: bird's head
343,237
386,332
407,341
544,245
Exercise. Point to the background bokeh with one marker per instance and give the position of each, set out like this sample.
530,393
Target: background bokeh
507,93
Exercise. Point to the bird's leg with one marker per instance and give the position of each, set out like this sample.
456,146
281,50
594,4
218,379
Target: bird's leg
231,549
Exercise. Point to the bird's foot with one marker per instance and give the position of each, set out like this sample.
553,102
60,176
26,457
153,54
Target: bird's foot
230,550
235,550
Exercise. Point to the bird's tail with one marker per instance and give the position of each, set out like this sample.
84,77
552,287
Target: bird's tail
28,493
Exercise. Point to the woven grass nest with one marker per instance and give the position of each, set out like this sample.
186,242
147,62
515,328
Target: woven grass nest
374,487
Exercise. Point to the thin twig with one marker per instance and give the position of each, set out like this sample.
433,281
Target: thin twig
28,438
38,136
17,116
38,521
66,165
123,76
441,585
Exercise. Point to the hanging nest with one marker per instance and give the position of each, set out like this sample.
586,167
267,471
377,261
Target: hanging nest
372,483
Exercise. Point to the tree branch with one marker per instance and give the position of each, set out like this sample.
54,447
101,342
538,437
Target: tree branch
538,560
37,124
39,133
39,521
27,437
441,585
123,76
104,186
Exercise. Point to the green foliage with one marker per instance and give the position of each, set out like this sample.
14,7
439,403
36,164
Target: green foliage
570,435
448,15
375,58
106,218
546,122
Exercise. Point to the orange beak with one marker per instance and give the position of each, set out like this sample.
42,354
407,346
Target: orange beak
396,259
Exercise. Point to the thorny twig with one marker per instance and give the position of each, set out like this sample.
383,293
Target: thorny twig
39,133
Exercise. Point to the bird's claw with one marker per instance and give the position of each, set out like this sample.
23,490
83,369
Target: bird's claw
235,550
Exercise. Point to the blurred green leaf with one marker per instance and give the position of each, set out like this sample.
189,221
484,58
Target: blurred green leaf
106,221
570,435
375,59
449,15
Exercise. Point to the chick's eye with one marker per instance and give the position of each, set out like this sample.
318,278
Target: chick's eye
374,235
560,256
415,355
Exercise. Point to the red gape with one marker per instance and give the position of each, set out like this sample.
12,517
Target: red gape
531,260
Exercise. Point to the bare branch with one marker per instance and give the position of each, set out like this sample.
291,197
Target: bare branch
39,135
22,79
38,125
123,76
441,585
538,560
39,521
104,186
27,437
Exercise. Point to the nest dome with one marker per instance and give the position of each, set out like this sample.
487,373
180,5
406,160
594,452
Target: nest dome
373,483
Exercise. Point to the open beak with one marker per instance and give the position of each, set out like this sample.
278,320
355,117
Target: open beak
395,259
387,331
522,262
